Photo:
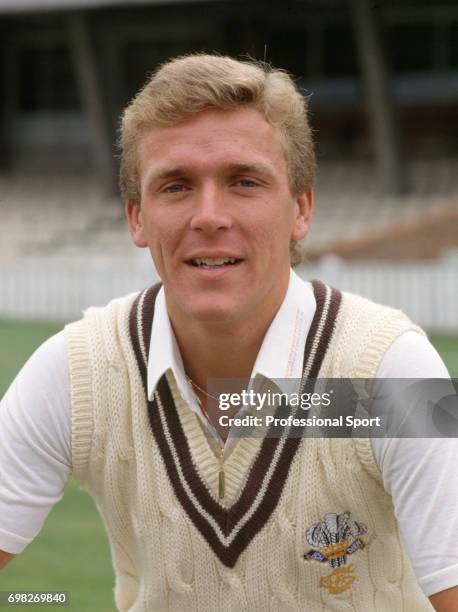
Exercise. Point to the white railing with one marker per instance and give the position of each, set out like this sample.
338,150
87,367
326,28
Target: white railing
427,292
53,290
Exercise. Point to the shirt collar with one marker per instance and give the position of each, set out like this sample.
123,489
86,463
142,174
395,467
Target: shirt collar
282,350
164,354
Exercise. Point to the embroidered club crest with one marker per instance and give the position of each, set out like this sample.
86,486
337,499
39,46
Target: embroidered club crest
333,539
339,580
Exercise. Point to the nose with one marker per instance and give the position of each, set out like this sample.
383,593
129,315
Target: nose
210,210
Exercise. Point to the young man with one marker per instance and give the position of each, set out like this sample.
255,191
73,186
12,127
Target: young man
217,173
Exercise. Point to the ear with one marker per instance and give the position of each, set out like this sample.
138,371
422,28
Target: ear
134,219
304,209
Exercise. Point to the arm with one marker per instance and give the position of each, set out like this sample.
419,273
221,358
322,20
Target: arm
5,558
35,449
420,475
445,601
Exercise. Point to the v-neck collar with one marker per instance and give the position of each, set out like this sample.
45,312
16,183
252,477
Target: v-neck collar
227,529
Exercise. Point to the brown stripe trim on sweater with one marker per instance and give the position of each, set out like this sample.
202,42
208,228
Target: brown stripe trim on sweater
324,295
140,326
228,530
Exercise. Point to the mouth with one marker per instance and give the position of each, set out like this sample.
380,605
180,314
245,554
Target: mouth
214,263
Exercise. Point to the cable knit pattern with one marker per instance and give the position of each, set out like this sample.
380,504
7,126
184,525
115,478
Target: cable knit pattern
162,562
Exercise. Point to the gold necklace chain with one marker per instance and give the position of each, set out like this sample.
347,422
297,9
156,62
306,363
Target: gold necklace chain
193,384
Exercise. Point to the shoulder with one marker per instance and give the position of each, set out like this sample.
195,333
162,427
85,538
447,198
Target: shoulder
116,307
412,355
363,332
98,329
367,311
98,354
44,377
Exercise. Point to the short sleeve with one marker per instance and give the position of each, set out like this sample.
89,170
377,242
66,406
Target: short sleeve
35,444
421,475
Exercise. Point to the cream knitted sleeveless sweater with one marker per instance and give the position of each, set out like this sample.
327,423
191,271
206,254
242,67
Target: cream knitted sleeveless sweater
304,524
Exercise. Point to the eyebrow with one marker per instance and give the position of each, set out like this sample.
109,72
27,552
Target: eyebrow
262,169
167,173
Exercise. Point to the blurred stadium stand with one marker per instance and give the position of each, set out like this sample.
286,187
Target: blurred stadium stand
68,215
383,84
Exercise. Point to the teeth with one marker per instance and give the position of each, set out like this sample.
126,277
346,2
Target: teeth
213,262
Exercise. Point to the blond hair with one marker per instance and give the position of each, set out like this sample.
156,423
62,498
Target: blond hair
188,85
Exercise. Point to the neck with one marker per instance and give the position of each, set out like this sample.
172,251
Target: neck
222,349
219,354
212,351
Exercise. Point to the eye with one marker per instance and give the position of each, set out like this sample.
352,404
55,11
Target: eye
174,188
246,182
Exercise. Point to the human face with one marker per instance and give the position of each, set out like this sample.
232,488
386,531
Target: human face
215,187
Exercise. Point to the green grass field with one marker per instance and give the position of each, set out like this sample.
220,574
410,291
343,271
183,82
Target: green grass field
71,553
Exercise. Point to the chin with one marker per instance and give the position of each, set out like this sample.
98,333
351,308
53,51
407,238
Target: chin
221,310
